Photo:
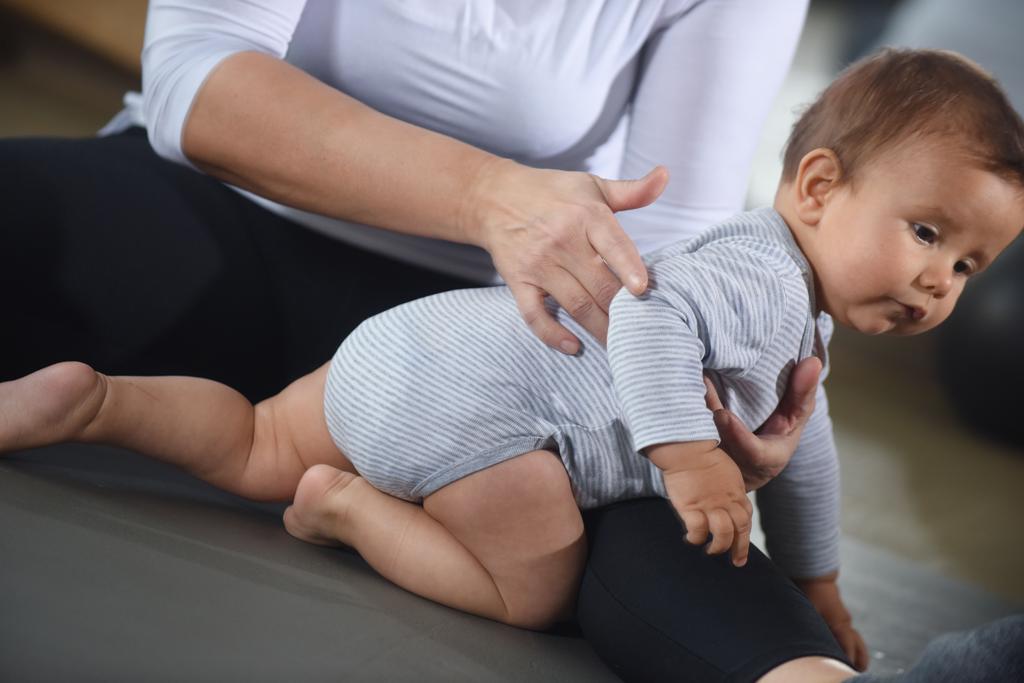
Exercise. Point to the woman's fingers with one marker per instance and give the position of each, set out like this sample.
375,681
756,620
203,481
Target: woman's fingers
577,301
616,249
711,398
803,385
740,443
530,301
586,293
593,271
608,238
797,404
623,195
554,233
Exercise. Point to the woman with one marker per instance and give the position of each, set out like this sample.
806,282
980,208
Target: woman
473,137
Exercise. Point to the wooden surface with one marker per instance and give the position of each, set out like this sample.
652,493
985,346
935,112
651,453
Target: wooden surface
112,29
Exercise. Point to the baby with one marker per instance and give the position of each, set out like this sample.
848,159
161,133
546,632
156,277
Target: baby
454,450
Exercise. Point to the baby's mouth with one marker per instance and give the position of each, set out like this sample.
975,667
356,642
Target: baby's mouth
914,313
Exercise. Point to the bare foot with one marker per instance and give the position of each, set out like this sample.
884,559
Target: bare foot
49,406
321,501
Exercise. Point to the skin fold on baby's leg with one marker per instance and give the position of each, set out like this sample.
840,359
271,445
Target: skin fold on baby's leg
204,427
506,542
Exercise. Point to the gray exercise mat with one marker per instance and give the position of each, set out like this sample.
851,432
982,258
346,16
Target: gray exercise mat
116,567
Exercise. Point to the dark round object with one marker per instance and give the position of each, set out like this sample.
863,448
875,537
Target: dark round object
981,350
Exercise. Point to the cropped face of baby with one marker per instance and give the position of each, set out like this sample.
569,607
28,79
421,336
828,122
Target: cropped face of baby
895,248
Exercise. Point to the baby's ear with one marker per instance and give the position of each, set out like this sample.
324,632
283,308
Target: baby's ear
817,176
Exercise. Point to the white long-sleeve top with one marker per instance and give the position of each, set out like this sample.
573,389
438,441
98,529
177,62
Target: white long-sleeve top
612,87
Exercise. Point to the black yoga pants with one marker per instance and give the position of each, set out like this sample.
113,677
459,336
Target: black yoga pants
135,265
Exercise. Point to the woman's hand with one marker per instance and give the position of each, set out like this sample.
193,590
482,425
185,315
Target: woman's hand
554,233
763,455
323,151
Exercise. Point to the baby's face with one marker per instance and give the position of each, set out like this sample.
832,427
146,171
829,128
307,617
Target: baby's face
899,246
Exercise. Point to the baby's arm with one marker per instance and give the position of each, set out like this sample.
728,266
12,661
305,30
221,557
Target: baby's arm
800,516
702,308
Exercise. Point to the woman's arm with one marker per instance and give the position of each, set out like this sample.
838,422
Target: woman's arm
266,126
706,86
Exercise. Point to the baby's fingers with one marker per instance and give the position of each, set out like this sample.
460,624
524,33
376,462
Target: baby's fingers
856,649
696,524
741,518
722,532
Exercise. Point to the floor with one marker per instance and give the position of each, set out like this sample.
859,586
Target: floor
931,511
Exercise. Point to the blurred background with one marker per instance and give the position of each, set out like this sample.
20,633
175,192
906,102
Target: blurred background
931,447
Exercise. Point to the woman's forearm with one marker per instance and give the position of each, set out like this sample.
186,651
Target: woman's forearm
265,126
268,127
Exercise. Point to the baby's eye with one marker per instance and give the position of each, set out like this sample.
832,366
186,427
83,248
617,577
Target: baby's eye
963,268
924,233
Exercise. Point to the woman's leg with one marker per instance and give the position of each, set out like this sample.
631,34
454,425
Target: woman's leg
655,608
204,427
505,543
139,266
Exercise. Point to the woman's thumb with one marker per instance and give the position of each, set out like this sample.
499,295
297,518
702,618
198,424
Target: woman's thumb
622,195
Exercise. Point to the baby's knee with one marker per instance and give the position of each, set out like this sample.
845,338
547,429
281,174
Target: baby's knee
541,612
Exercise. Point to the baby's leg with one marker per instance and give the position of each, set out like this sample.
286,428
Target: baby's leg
505,543
204,427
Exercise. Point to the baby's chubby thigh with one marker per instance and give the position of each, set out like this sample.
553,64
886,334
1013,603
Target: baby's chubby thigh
520,520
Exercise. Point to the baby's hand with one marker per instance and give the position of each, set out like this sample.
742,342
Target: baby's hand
823,592
706,489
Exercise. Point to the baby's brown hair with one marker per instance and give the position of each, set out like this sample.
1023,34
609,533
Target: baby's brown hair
895,95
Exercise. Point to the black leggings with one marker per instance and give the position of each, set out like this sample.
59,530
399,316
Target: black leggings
113,256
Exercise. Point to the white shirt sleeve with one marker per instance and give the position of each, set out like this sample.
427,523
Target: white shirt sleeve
707,84
186,39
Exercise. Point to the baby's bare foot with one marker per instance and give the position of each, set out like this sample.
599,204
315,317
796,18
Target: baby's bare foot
49,406
322,497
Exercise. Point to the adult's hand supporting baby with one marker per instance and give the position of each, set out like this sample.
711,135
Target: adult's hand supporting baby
763,454
323,151
554,233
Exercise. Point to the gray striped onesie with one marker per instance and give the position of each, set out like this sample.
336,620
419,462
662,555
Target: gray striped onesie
441,387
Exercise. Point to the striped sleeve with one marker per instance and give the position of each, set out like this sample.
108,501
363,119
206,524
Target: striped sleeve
718,308
800,507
